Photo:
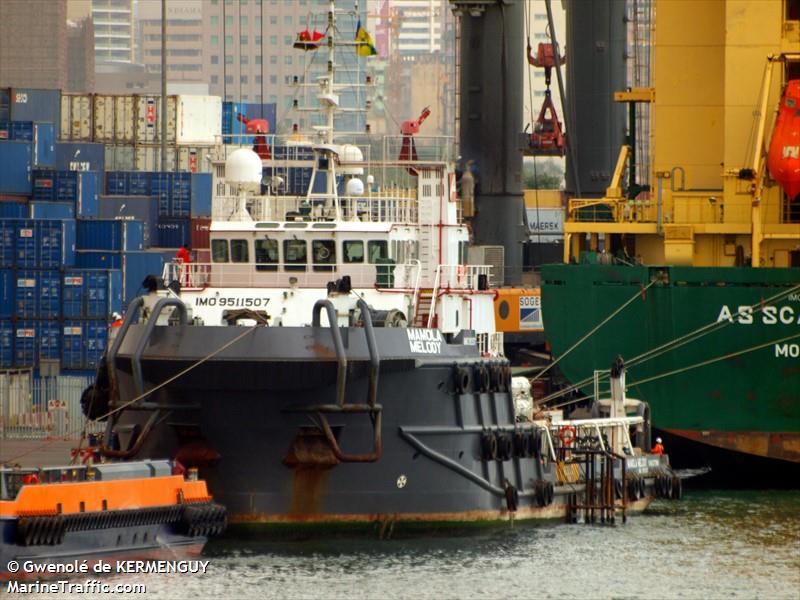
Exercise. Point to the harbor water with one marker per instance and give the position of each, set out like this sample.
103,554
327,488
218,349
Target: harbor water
713,544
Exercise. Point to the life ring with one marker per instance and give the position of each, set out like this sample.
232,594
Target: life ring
567,435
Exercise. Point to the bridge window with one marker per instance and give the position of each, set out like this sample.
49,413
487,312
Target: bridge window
324,252
377,250
239,251
219,251
353,251
295,255
266,255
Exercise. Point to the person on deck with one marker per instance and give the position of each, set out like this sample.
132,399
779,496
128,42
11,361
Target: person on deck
658,448
184,257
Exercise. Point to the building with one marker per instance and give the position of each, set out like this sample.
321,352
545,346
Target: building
184,39
249,55
80,56
419,25
33,44
113,31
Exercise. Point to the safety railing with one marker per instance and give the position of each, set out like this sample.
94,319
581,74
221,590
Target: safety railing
248,275
394,205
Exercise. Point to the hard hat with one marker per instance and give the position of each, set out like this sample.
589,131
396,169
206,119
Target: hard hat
116,316
658,440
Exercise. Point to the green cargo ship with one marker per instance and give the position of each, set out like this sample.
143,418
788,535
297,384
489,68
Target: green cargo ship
713,243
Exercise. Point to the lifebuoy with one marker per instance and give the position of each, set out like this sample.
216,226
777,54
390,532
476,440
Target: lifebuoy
567,435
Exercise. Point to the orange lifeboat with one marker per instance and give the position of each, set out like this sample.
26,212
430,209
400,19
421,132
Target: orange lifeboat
783,160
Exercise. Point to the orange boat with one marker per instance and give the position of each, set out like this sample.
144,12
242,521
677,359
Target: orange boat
783,159
139,510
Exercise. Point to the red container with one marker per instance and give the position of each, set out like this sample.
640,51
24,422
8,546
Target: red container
201,233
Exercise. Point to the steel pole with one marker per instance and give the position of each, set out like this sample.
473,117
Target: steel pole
163,85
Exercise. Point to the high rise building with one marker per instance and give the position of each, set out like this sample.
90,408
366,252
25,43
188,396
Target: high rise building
113,31
33,44
184,39
80,56
249,55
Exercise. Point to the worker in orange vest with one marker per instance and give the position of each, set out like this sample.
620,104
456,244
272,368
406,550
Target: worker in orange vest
116,321
658,448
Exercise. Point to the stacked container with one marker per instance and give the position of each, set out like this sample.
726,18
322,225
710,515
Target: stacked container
130,128
32,256
76,189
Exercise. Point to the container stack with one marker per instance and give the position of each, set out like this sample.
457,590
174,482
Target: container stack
76,242
129,127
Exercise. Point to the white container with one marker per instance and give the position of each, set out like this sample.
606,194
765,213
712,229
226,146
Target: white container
119,157
199,120
114,118
76,118
148,119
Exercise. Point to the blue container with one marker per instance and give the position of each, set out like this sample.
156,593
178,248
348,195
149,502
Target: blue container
84,342
44,184
160,188
117,183
8,236
41,135
8,283
13,210
180,195
27,104
134,266
47,244
16,159
80,156
98,259
137,208
91,293
138,183
36,340
201,195
79,188
6,344
38,294
173,233
137,266
51,210
108,234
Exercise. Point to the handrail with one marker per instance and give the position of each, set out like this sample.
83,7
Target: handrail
341,358
375,361
136,359
415,297
434,292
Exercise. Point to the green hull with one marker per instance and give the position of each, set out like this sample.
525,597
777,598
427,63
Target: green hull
749,402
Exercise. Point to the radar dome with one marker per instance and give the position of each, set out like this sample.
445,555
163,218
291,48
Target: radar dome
354,187
244,168
349,154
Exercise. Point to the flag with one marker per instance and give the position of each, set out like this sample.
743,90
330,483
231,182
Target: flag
365,47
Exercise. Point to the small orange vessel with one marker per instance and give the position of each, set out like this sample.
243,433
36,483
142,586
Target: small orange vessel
783,159
118,510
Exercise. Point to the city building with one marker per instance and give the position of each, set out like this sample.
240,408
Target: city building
184,39
80,56
249,55
113,31
33,44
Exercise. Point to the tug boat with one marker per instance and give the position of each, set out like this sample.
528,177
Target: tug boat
139,510
335,364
